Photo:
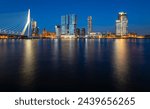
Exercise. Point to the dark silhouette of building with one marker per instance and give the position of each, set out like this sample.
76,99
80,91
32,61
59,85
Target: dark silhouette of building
83,32
78,32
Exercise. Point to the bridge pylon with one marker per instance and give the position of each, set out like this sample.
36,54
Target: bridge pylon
27,25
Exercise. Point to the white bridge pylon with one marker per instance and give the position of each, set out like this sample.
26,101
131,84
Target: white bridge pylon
27,25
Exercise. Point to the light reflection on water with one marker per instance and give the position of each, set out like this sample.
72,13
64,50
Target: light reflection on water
28,65
75,65
121,63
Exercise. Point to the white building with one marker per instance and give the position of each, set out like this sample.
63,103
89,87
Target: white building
89,25
58,31
122,24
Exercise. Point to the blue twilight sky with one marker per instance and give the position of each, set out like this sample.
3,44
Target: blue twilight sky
104,12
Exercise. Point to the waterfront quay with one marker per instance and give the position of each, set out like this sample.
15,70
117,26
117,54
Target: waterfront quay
74,37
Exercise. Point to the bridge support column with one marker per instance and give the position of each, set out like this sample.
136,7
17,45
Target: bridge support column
27,25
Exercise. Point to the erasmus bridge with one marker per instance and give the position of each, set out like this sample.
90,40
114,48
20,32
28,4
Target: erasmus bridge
15,24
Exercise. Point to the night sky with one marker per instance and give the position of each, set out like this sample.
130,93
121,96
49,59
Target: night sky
104,12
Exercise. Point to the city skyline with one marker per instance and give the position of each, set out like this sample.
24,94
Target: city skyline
104,13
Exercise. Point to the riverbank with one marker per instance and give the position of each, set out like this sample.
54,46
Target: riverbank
75,38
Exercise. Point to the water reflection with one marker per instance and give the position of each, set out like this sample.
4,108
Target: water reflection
75,65
89,50
71,51
121,64
28,67
55,52
87,55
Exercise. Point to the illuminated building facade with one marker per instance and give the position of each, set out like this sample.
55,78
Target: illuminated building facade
35,29
68,24
47,34
122,24
64,24
58,31
89,25
72,24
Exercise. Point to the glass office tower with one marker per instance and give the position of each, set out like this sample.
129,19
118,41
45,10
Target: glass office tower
89,25
122,24
72,24
68,24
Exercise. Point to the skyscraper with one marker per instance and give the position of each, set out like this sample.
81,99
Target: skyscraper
34,24
64,24
122,24
68,24
72,24
89,25
35,29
